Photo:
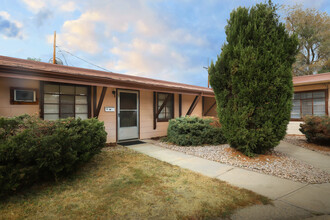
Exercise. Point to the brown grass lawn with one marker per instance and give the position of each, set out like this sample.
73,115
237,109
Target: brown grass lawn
122,184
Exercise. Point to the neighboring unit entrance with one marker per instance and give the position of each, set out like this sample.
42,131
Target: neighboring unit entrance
128,115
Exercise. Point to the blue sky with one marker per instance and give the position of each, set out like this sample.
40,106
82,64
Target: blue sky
161,39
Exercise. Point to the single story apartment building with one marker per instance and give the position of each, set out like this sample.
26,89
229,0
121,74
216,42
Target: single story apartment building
311,97
131,107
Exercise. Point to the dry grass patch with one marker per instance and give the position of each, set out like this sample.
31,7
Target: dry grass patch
123,184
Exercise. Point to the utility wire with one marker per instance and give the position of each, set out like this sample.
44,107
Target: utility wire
84,60
63,56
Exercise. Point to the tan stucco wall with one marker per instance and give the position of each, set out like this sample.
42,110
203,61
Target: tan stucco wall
146,117
109,118
9,110
186,103
293,128
146,111
208,102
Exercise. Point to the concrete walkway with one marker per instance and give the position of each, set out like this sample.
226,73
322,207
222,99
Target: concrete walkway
292,200
308,156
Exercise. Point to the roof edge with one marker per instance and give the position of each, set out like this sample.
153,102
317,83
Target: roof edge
30,64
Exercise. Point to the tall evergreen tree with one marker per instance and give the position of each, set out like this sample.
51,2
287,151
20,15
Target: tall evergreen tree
252,79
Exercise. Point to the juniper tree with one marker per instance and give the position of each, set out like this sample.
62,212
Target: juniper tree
252,79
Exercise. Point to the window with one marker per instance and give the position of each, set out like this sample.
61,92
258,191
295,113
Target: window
168,110
308,103
23,96
64,100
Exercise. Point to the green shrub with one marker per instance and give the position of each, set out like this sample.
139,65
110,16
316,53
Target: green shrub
316,129
32,149
193,131
252,79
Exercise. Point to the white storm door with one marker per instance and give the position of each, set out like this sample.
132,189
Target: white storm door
128,115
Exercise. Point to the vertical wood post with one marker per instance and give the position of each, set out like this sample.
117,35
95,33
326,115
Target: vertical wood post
203,102
94,100
54,52
180,105
154,110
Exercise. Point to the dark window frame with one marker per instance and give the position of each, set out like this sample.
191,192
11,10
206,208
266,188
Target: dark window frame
42,93
172,110
306,91
13,102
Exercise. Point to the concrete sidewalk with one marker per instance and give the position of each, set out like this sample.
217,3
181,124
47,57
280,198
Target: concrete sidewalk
308,156
292,200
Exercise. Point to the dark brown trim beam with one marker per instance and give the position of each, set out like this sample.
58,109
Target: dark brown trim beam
193,105
180,105
104,90
89,98
41,103
210,108
203,103
94,100
154,110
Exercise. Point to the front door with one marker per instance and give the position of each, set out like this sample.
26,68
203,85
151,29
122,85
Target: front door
128,115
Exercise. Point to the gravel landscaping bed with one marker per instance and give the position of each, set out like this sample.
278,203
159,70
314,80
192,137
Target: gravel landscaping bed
301,141
275,163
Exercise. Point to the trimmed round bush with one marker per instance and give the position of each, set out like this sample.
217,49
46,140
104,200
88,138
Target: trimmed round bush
193,131
316,129
32,149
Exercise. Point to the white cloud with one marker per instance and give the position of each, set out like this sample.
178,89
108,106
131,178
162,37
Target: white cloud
35,5
68,6
10,28
143,58
79,34
5,14
44,10
61,5
138,38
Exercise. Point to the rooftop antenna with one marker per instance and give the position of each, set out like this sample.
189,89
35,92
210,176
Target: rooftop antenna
207,69
54,52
